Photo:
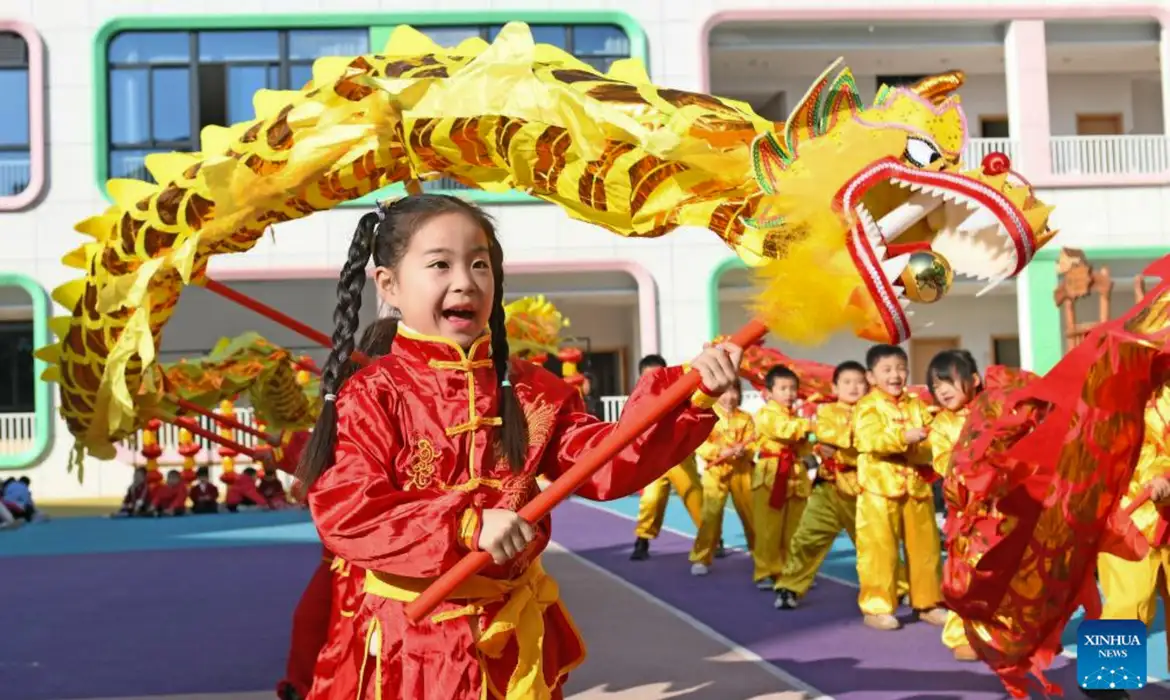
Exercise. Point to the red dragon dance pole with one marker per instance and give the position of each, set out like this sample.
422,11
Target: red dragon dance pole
559,491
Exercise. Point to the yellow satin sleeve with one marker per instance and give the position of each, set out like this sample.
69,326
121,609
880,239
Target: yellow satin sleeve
877,427
944,433
732,429
834,427
1153,460
776,423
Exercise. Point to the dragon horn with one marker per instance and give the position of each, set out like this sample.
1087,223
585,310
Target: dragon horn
937,88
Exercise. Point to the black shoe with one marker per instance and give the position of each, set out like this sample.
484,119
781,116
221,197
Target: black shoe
785,600
720,551
641,550
287,692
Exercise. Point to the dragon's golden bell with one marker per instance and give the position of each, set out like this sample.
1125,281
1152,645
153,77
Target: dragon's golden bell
927,277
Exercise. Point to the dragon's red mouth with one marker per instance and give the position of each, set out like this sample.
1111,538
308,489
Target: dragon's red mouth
982,234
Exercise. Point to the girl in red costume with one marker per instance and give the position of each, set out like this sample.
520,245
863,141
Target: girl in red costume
428,453
323,618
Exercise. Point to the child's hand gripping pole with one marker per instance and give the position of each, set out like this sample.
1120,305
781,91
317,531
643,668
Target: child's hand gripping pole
629,430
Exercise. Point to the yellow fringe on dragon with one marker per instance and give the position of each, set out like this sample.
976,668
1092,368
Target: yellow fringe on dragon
534,327
832,206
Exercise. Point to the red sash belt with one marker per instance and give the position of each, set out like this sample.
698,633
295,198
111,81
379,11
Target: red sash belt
786,460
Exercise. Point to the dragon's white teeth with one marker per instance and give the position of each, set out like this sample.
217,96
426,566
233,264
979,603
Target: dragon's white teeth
909,213
894,266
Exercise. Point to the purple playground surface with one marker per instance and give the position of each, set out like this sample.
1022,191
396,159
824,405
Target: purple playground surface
149,622
214,619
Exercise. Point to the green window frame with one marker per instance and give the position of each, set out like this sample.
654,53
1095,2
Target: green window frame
42,391
379,26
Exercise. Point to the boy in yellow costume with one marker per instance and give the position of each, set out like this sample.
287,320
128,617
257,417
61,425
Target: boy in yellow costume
896,505
953,380
728,455
780,483
684,479
1129,587
832,506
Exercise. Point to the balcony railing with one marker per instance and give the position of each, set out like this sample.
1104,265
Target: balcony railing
1110,155
14,176
17,432
977,149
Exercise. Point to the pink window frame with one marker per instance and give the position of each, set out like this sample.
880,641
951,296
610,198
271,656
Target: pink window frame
36,115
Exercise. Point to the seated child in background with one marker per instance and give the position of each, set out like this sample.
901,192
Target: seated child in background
203,494
272,491
170,498
137,499
18,498
7,520
243,492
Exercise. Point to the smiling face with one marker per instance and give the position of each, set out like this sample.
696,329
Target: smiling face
443,285
850,386
889,373
871,211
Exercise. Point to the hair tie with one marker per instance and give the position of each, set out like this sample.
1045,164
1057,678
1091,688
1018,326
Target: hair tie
330,397
506,382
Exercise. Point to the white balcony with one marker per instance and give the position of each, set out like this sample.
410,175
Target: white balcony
1110,155
17,432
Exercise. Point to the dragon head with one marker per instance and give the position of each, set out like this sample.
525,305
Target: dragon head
870,210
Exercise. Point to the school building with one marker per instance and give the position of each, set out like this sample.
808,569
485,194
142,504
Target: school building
1071,91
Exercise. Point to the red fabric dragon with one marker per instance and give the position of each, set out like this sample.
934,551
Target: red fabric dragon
1035,483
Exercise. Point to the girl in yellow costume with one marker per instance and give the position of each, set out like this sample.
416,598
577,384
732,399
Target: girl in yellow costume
780,484
1129,587
896,505
728,455
684,479
953,380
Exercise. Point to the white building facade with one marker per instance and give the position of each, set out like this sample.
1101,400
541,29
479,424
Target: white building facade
1072,91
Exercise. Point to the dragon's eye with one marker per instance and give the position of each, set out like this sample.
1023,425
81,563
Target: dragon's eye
921,153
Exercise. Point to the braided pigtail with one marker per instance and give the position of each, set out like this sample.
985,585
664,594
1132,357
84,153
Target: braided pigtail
513,423
318,454
377,340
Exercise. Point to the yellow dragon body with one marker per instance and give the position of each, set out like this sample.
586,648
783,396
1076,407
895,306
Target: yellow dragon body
831,206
